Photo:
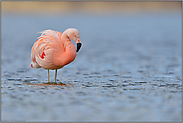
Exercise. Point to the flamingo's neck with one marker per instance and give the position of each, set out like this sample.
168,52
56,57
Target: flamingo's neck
65,37
70,50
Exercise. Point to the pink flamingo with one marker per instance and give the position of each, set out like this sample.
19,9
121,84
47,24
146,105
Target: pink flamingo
53,50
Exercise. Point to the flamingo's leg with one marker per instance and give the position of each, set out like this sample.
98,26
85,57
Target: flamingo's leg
55,75
48,76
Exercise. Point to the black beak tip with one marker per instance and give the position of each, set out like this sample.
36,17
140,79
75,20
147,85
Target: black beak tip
78,47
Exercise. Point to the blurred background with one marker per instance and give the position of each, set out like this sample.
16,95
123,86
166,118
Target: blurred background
60,7
128,68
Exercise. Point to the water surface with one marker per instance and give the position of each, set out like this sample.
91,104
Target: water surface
128,69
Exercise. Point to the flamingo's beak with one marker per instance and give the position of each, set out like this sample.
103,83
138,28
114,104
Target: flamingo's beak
78,45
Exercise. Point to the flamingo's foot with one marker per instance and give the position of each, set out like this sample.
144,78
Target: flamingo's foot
60,83
50,84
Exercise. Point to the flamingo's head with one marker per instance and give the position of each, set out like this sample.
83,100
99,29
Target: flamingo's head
73,34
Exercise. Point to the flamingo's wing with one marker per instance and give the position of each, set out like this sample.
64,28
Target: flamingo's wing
45,48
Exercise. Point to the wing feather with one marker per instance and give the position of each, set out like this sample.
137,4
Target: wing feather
49,42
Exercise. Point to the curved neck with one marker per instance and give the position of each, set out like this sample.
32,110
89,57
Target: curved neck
65,37
69,53
67,43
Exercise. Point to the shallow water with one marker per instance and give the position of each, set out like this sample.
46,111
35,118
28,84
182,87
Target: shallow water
128,69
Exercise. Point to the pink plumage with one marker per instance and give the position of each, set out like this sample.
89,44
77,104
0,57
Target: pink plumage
53,50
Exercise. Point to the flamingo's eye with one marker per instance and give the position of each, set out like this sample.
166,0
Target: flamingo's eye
75,35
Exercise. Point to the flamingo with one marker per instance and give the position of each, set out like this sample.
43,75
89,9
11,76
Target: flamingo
53,50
